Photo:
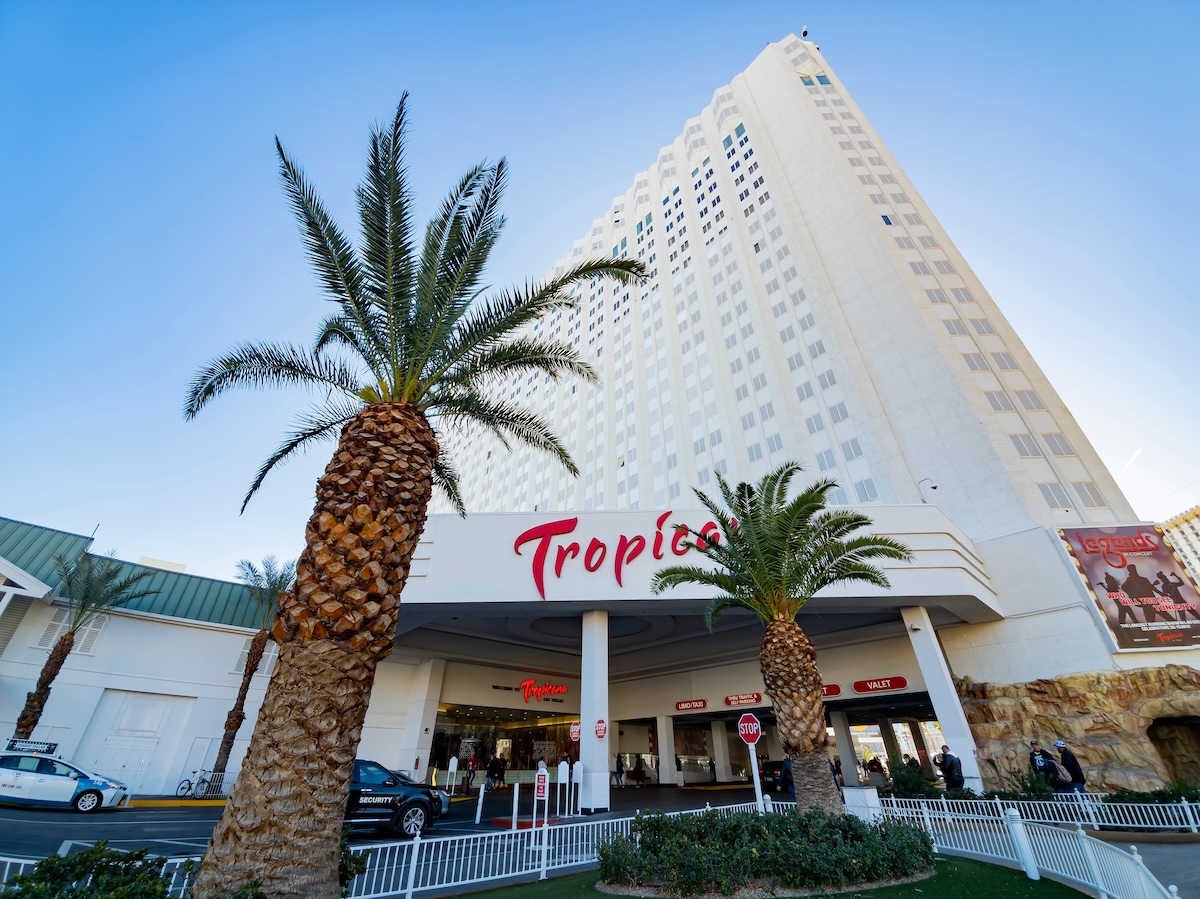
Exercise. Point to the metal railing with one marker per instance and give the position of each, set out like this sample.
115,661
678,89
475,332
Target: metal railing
1086,810
979,831
1062,852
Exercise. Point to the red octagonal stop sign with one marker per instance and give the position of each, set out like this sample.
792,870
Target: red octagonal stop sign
749,729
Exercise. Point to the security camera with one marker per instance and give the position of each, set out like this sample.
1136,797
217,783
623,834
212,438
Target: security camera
933,486
804,31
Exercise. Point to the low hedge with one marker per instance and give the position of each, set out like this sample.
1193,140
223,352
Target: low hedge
1173,793
691,854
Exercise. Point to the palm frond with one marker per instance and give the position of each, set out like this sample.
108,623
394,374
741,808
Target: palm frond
505,420
266,365
93,584
445,477
265,584
319,423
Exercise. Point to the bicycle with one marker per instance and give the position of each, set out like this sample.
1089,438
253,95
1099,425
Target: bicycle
197,785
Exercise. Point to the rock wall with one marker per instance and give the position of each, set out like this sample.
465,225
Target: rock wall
1106,717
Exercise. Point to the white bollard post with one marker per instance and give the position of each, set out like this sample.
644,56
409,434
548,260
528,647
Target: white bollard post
412,868
577,788
1020,838
452,773
516,793
479,807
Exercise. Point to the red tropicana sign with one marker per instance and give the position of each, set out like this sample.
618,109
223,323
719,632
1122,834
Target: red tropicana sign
595,550
749,729
880,685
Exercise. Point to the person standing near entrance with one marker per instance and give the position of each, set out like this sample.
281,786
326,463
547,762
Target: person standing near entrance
620,771
952,771
787,783
1073,767
1041,762
472,764
712,769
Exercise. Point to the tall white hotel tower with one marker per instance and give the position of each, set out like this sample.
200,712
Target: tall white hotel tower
804,303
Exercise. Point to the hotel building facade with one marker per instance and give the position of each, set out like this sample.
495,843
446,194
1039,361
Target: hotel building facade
802,303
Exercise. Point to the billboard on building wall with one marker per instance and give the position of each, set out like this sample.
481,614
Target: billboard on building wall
1140,586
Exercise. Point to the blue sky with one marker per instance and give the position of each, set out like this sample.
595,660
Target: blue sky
144,229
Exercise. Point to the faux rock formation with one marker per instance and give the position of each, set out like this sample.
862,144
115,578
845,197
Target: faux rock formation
1133,730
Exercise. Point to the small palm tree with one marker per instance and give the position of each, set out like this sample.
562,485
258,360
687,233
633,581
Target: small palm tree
414,339
91,586
772,557
264,586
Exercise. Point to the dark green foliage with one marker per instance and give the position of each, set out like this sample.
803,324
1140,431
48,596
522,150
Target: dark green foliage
910,783
94,873
1174,792
1023,786
961,793
691,854
349,864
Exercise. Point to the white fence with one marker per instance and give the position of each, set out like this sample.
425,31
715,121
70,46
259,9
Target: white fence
1059,851
1071,808
422,865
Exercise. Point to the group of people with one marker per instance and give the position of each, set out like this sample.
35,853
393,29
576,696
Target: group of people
494,767
1064,774
640,774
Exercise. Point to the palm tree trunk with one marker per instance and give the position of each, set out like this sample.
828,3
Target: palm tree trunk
237,714
283,821
35,702
789,670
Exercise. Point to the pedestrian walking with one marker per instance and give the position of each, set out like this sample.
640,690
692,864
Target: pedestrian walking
620,771
1041,762
1068,761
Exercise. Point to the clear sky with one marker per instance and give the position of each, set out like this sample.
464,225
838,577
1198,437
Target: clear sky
143,228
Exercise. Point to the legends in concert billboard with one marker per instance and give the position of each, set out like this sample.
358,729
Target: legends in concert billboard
1146,596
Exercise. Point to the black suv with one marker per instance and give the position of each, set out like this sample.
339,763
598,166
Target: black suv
770,774
386,800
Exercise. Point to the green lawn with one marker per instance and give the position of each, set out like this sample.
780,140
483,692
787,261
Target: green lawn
955,879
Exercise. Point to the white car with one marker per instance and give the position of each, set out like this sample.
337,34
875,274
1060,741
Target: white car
34,779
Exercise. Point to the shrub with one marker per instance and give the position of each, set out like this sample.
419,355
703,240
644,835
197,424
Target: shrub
690,854
94,873
1023,786
910,783
1174,792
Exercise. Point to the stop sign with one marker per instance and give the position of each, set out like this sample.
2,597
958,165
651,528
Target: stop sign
574,731
749,729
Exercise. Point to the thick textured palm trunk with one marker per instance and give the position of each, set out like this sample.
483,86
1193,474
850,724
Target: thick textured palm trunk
35,702
237,714
789,671
283,821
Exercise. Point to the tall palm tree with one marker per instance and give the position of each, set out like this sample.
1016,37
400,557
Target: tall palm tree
265,586
91,586
412,342
773,555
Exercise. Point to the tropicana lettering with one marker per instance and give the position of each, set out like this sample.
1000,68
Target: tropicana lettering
1114,548
628,548
530,688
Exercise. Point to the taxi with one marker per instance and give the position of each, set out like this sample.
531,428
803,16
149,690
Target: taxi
38,780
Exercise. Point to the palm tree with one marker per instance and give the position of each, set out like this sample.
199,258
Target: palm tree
412,341
264,585
771,557
91,586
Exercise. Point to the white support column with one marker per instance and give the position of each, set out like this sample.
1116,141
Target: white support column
421,717
666,751
594,752
890,744
773,744
924,753
720,751
940,685
845,748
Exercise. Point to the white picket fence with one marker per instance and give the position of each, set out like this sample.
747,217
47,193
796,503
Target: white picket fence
422,865
1059,851
1086,810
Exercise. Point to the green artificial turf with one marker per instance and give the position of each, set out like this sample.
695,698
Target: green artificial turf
955,879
